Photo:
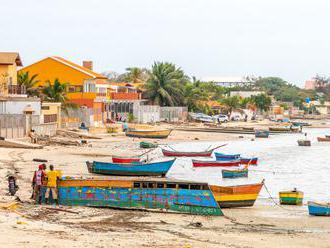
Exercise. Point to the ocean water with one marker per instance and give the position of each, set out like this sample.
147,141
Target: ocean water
282,163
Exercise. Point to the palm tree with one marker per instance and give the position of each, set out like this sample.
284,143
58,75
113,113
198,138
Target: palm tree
24,79
232,103
136,75
165,85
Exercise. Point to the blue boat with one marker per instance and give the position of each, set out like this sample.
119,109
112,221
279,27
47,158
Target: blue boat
226,157
133,169
261,134
235,173
318,209
139,193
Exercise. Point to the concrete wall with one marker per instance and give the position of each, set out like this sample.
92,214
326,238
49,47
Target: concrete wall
12,126
17,106
146,113
173,114
48,129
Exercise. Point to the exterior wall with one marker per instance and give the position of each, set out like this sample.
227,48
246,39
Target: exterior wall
310,84
10,71
82,98
17,106
245,94
51,113
124,96
48,129
12,126
173,114
146,113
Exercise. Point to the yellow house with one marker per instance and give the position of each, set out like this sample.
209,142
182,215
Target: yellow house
8,71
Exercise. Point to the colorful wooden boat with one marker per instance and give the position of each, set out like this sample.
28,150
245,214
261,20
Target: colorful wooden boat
174,153
125,160
139,193
151,134
318,209
134,169
226,157
304,143
261,134
253,160
236,196
203,163
292,197
327,136
145,144
320,139
235,173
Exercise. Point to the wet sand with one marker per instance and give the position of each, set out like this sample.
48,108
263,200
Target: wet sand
263,225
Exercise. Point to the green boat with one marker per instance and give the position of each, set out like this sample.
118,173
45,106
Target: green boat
145,144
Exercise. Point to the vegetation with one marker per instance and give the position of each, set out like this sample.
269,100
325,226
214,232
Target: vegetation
30,82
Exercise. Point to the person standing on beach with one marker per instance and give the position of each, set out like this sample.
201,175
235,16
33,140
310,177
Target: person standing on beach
51,184
37,183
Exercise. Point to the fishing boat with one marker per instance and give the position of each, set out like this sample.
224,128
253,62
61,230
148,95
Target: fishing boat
125,160
158,194
151,134
304,142
261,133
327,136
236,196
235,173
226,157
133,169
205,163
145,144
253,160
174,153
318,209
320,139
292,197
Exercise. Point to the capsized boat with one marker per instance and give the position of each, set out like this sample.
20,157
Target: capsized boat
292,197
303,142
235,173
145,144
208,163
174,153
133,169
226,157
139,193
151,134
236,196
320,139
319,209
253,160
125,160
261,134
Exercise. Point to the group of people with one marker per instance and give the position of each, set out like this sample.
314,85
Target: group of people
44,182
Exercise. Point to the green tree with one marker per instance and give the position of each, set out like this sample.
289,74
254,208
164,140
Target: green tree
165,85
262,101
24,79
136,75
232,103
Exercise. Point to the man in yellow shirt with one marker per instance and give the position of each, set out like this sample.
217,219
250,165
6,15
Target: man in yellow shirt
52,184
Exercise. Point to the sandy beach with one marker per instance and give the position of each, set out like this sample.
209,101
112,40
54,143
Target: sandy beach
264,225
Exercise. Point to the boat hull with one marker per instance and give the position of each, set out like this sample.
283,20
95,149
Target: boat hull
151,134
291,197
133,195
253,161
135,169
234,173
201,163
168,153
226,157
304,142
262,134
317,209
320,139
236,196
146,145
126,160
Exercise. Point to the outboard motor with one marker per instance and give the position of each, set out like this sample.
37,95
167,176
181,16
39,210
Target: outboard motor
12,186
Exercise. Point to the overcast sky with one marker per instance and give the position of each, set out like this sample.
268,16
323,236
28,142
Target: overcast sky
286,38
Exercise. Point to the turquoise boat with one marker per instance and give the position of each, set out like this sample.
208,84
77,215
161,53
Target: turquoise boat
158,194
226,157
318,209
261,134
130,169
235,173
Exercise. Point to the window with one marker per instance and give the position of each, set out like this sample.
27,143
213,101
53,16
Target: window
50,118
195,186
171,185
136,185
151,185
160,185
183,186
45,107
145,185
71,89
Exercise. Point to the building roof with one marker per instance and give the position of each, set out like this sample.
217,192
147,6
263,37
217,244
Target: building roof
78,67
7,58
225,79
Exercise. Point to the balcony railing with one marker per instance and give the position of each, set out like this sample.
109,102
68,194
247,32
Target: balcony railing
125,96
16,90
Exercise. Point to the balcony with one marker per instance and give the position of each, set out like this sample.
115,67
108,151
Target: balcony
17,90
125,96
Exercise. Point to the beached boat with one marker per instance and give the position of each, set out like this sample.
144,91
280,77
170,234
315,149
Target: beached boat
253,160
319,209
226,157
174,153
133,169
145,144
125,160
304,143
205,163
292,197
327,136
320,139
261,134
139,193
235,173
236,196
151,134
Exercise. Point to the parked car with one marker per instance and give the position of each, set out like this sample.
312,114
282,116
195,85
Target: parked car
220,118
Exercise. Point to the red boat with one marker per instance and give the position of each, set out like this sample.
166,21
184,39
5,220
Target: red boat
173,153
125,160
201,163
320,139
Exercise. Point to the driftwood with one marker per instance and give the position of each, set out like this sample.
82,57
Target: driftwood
62,210
77,135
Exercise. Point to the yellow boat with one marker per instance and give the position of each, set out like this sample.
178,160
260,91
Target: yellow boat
152,134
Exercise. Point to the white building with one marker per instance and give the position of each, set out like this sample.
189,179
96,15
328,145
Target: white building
229,81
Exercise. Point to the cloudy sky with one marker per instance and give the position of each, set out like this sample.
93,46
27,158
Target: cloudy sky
286,38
